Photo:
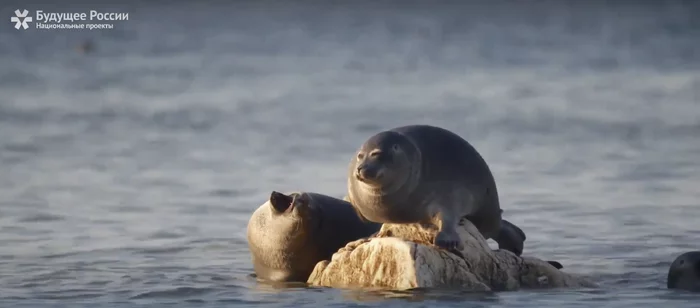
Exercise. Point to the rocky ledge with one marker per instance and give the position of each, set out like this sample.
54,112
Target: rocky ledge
402,257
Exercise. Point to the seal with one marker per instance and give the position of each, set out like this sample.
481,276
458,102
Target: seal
290,233
684,273
417,173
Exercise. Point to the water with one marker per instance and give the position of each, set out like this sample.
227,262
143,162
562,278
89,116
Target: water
128,174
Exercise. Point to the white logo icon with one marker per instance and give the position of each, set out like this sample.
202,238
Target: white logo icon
21,19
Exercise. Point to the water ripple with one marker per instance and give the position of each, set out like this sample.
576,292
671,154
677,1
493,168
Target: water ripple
174,293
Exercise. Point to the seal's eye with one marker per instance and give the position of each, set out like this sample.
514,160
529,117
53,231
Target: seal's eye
395,148
360,155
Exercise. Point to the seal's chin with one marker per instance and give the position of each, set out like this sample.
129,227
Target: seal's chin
371,186
378,181
383,186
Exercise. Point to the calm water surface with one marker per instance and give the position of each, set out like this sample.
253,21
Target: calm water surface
127,175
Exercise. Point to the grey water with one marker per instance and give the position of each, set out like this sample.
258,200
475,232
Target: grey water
128,172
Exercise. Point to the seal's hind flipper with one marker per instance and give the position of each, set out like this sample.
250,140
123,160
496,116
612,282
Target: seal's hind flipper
280,202
510,238
556,264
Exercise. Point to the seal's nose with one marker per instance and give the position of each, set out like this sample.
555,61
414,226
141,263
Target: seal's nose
360,172
367,172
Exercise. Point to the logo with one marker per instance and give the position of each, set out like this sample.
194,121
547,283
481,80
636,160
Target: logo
21,19
92,20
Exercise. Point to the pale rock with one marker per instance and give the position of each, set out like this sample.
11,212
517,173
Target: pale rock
402,257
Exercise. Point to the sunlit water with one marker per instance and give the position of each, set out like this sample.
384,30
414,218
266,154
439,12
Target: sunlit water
127,175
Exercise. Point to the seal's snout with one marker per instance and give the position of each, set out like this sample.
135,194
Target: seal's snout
368,173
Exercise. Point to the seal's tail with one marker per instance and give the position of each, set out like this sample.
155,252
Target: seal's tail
510,238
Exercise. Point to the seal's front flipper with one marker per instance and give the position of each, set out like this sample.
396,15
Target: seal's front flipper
448,240
510,238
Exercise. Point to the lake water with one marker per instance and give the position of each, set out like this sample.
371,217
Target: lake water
128,174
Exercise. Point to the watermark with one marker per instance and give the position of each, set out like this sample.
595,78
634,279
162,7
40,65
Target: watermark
91,20
21,19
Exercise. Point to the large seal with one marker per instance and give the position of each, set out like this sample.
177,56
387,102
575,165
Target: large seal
684,273
415,173
290,233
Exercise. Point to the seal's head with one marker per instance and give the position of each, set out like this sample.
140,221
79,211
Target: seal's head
282,237
385,161
684,272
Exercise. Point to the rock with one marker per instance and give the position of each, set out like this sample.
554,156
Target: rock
401,257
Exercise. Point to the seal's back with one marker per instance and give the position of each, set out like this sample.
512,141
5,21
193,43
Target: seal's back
448,158
447,152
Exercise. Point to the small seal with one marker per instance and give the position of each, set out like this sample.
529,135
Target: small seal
684,273
290,233
415,173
